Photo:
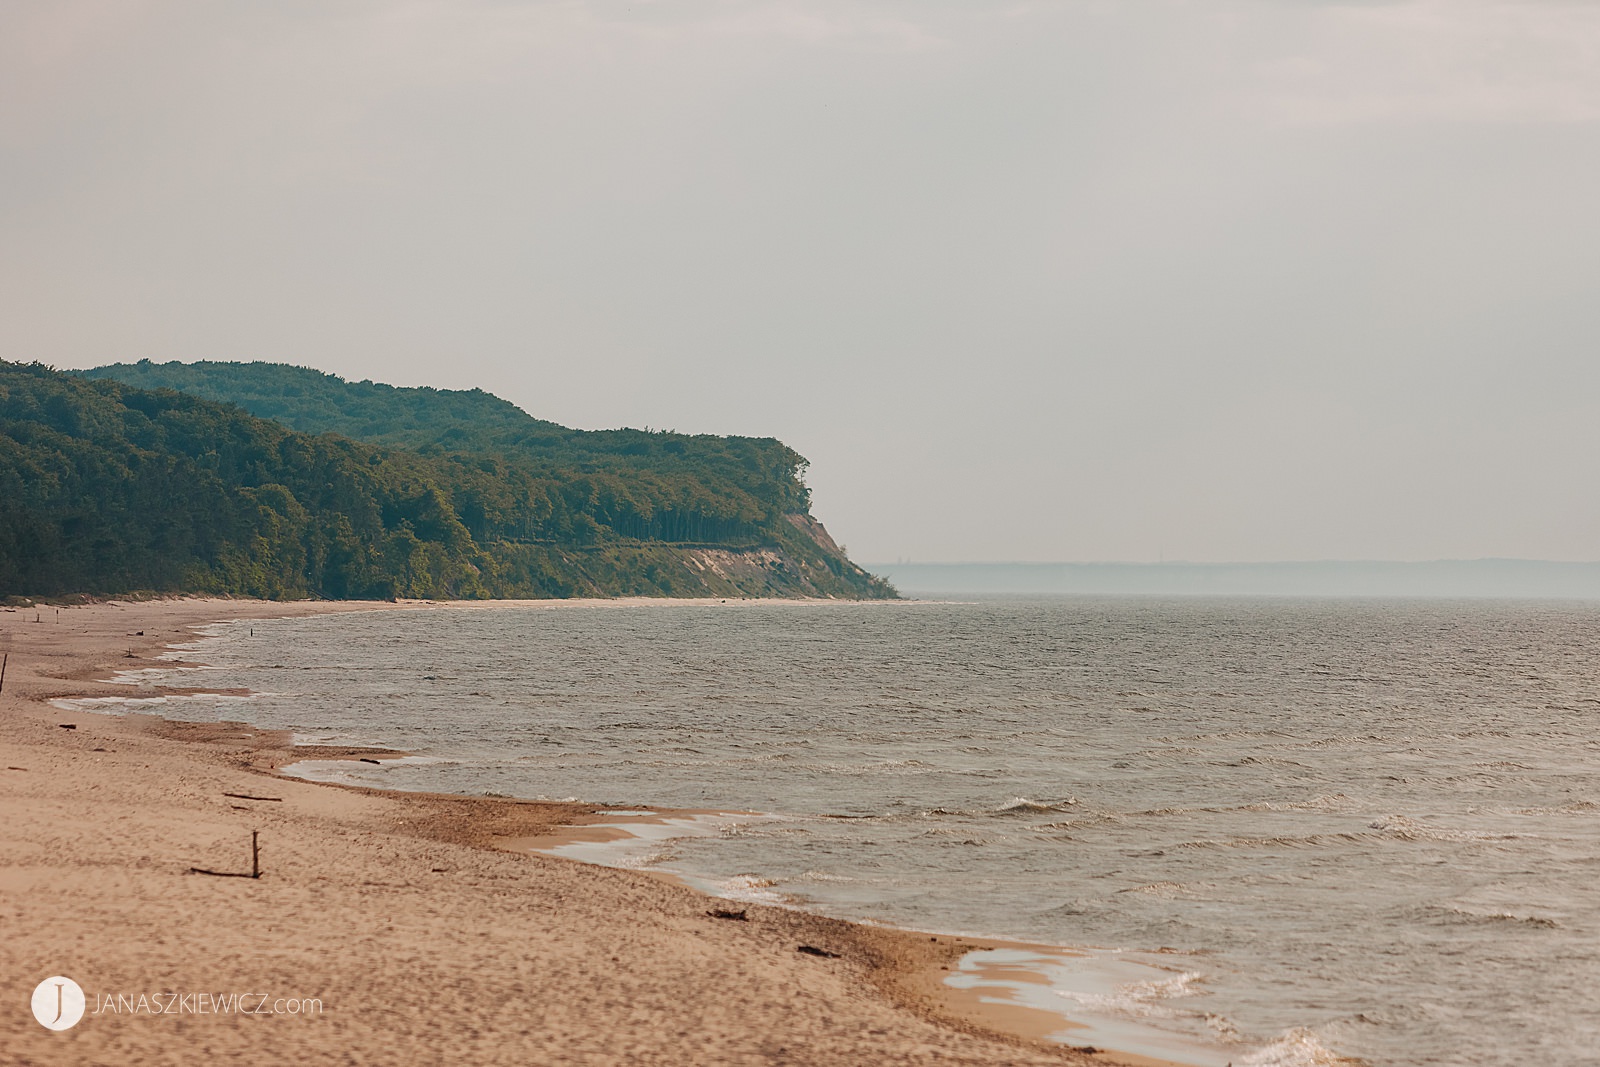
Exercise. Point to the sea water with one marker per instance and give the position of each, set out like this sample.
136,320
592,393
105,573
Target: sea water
1371,827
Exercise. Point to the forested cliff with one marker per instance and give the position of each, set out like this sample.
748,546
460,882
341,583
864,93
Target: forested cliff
108,488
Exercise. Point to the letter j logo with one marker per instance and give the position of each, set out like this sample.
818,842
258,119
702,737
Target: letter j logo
58,1003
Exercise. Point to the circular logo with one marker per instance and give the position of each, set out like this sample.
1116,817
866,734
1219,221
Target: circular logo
58,1003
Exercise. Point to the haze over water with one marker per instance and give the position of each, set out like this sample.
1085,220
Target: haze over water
1371,824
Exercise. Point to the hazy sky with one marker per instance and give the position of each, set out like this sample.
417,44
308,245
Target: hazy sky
1240,280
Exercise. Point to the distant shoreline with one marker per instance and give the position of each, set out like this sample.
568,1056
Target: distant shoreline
1489,578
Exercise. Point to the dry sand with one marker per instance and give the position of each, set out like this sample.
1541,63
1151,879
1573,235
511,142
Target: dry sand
424,940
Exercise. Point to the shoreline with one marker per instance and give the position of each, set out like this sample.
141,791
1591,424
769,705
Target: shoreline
880,974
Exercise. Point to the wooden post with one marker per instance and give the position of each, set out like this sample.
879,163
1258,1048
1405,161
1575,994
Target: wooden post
255,855
3,661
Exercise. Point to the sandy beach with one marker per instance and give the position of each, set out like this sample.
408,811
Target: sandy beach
420,932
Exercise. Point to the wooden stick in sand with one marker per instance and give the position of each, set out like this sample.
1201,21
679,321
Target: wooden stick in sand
255,862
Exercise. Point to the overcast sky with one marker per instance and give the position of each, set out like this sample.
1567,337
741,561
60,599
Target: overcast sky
1244,280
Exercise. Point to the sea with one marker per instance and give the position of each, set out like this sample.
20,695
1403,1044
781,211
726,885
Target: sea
1272,831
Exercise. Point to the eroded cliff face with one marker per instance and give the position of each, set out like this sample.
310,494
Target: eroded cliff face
813,529
776,572
805,563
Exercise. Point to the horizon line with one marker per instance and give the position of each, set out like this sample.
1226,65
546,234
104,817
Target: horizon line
1224,563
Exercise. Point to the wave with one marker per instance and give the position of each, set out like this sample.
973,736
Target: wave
1455,915
1013,807
1141,1000
1170,890
751,889
1025,806
1261,761
1328,802
1385,828
1334,802
1282,841
771,826
1577,807
1296,1048
1342,740
1410,830
964,834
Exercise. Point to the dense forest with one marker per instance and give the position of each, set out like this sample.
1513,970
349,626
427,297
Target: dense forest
110,488
668,486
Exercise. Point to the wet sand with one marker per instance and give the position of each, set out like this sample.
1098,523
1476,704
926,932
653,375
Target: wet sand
410,917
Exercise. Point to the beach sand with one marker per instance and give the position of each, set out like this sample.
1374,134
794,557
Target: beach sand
425,938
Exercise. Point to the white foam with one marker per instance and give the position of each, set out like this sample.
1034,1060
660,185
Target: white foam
647,844
126,705
748,888
644,843
1296,1048
1140,999
1103,999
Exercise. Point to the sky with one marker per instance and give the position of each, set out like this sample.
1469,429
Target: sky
1247,280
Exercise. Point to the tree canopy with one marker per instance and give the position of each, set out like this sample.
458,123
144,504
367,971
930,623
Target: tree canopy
106,487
